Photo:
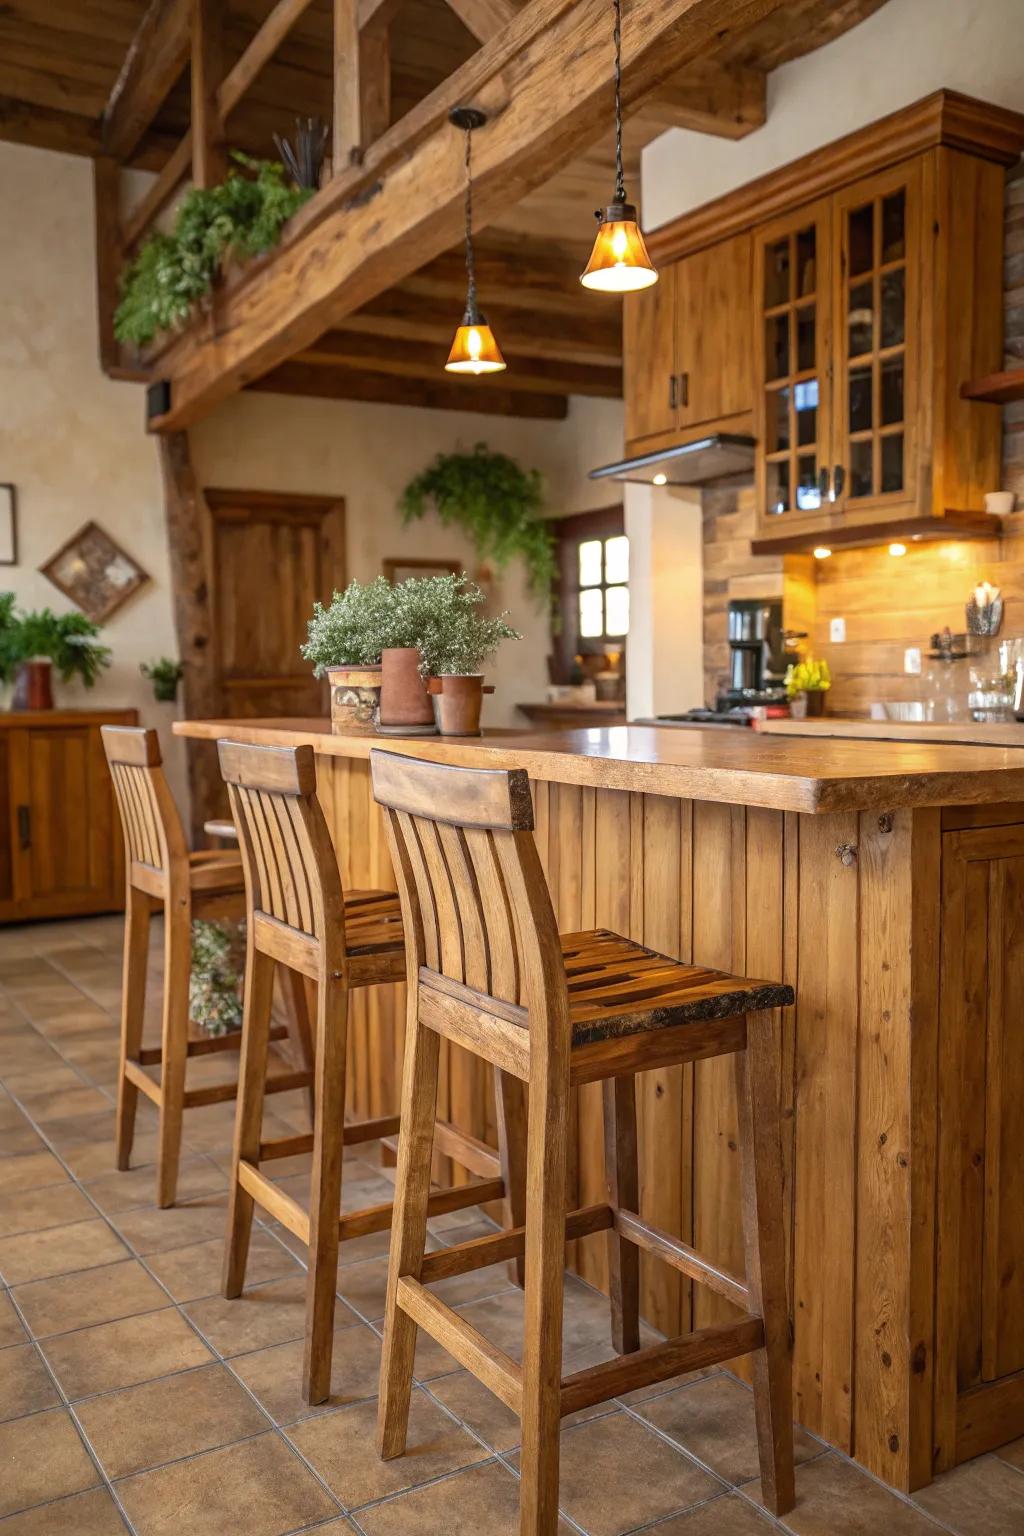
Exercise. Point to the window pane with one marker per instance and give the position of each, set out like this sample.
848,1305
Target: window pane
616,558
591,614
617,608
590,564
892,462
805,349
892,391
778,420
893,307
805,264
776,274
860,469
805,396
861,228
894,245
808,496
776,347
861,320
860,400
778,486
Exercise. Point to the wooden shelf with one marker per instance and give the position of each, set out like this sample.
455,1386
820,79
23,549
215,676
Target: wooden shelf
995,388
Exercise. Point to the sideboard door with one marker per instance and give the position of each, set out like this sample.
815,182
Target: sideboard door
980,1273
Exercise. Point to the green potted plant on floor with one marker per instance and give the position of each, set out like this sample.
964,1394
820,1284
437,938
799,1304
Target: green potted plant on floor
454,641
807,683
33,643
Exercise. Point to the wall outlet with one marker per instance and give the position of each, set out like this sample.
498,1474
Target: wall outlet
912,660
837,631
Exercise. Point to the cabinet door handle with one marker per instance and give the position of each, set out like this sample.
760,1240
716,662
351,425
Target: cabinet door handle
838,481
684,389
673,392
24,827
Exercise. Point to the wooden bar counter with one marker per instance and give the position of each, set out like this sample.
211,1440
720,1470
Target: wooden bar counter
885,882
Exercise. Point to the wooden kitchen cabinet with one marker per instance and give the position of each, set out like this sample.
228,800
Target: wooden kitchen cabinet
61,850
979,1365
688,344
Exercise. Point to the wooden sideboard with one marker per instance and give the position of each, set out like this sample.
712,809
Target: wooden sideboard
833,308
60,849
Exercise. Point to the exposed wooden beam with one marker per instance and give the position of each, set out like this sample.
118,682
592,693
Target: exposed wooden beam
725,100
593,338
347,95
374,79
545,87
425,360
259,52
156,57
384,389
485,17
24,122
509,271
209,148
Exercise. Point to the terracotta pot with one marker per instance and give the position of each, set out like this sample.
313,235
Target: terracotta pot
33,685
815,703
405,706
457,702
355,696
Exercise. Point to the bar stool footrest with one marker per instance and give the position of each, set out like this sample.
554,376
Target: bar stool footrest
463,1258
209,1045
660,1362
490,1365
642,1234
377,1218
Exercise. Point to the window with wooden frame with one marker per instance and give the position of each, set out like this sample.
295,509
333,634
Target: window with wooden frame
591,607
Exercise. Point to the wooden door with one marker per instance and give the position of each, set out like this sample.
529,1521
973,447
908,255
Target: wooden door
979,1368
877,263
714,333
792,369
271,557
648,344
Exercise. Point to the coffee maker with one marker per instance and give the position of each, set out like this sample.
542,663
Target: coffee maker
758,653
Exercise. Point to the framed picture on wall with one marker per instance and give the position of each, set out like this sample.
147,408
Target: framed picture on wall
402,570
8,525
94,572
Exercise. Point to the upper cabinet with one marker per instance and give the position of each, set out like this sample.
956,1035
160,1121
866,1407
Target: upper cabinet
835,307
688,344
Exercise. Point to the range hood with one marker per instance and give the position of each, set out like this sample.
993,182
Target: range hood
697,463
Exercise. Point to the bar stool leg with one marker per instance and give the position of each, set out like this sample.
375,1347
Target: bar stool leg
325,1185
133,1011
174,1045
542,1332
510,1107
296,1002
764,1242
623,1180
252,1076
408,1232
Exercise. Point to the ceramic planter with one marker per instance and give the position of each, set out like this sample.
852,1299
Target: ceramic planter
355,697
405,705
457,702
809,705
33,685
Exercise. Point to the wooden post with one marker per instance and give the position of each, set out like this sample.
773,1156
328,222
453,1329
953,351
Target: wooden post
375,78
347,127
209,153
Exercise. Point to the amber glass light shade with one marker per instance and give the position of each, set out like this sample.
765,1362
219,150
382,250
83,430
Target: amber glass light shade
619,262
474,349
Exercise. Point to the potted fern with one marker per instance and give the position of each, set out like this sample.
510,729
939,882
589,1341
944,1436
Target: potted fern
454,641
32,644
345,642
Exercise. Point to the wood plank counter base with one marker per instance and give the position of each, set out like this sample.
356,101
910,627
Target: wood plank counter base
862,874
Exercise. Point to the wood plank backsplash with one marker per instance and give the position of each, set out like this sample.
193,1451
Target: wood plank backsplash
888,603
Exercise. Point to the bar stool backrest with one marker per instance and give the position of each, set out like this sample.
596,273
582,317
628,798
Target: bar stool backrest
291,873
474,898
153,832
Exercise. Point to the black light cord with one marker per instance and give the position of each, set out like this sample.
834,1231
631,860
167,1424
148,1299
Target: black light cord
620,181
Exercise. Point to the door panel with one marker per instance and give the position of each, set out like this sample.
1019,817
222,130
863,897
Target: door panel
648,343
713,327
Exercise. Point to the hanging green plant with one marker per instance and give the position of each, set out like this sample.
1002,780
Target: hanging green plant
240,218
495,502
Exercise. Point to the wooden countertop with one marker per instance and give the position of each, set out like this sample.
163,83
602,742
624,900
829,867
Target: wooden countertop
967,732
732,767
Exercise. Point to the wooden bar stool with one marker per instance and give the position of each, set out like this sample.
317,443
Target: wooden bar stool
298,916
160,871
489,970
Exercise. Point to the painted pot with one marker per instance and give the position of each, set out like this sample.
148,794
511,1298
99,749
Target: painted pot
355,697
457,703
404,701
33,685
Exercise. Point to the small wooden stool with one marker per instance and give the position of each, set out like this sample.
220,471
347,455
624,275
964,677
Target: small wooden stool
298,916
489,970
160,870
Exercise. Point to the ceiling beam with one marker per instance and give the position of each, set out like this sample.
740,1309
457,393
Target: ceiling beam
155,59
485,17
728,101
382,389
511,271
425,360
209,147
545,88
24,122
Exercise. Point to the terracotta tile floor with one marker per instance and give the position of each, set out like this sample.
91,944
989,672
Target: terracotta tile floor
133,1397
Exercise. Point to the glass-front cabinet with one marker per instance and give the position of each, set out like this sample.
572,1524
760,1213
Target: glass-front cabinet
836,284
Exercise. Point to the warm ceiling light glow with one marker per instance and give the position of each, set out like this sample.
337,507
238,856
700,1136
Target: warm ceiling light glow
619,262
822,553
660,479
897,549
474,349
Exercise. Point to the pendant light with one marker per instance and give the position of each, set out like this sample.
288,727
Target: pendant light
474,349
619,262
